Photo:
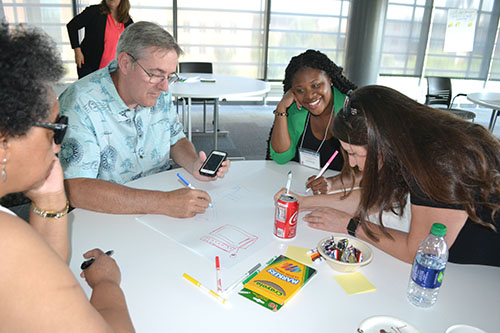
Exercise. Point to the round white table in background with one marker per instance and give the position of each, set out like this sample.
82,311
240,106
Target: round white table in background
490,100
224,86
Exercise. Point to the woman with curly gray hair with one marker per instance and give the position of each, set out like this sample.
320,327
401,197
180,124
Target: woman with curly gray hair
38,291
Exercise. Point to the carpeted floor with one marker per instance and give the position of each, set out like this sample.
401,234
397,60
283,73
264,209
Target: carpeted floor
247,127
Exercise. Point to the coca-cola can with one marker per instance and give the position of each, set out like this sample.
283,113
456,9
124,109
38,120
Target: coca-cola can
285,216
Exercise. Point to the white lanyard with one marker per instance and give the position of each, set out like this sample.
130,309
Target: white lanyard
326,130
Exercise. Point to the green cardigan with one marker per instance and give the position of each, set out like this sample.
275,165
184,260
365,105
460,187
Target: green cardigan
296,121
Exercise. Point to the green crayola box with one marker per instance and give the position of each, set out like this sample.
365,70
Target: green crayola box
277,283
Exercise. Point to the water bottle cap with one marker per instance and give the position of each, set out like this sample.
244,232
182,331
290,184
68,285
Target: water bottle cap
438,230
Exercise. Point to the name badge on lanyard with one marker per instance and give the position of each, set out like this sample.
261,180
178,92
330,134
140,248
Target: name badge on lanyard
309,158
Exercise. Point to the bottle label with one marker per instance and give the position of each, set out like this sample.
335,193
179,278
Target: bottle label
427,277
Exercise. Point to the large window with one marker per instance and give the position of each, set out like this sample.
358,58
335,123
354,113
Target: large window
415,37
495,61
471,65
236,38
405,37
49,15
228,33
297,26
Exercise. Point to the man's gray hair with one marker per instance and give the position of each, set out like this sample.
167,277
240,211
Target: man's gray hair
137,37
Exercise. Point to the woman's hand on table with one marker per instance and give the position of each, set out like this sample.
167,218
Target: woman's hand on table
103,269
318,186
329,219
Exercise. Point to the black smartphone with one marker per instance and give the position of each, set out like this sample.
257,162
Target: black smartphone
213,163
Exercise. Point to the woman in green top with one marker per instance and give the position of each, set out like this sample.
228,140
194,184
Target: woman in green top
314,90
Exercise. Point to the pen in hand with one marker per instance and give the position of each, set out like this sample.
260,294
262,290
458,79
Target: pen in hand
185,182
86,264
327,164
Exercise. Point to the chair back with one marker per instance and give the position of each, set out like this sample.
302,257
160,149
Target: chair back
438,91
195,67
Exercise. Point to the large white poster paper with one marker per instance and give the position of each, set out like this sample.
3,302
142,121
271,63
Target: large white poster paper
225,230
460,30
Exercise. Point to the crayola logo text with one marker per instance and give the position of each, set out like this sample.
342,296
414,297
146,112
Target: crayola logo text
291,267
271,289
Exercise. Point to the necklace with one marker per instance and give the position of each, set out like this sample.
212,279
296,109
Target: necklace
326,130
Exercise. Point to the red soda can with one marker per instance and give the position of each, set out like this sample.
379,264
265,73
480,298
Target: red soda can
285,217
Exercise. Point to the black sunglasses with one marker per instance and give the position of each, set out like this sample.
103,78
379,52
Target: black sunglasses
59,128
347,110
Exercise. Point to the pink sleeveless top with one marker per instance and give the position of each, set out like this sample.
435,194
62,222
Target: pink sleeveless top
113,32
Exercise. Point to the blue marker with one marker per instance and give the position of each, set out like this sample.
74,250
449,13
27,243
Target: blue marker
185,181
190,186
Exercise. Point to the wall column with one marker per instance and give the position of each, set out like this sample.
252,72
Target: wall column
365,32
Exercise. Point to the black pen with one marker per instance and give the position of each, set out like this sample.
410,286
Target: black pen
86,264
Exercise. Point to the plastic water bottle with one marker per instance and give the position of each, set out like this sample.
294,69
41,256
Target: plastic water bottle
428,268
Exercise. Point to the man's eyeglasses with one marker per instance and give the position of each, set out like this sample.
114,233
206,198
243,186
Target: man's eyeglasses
155,79
59,128
347,110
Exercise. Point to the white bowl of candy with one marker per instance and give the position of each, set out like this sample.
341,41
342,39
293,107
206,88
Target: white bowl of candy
344,253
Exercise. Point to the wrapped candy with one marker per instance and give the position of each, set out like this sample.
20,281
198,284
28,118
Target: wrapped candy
342,251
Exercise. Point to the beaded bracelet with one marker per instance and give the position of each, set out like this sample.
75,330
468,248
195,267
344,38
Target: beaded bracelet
280,114
50,214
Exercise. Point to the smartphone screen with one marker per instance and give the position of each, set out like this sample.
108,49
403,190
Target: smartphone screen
212,163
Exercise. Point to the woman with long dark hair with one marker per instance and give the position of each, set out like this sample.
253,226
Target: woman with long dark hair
103,25
449,168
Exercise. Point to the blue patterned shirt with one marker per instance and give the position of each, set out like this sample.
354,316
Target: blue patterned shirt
107,140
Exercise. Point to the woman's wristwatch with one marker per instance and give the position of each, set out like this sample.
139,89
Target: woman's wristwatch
352,226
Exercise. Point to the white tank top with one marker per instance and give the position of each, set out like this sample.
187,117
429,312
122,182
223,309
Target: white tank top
6,210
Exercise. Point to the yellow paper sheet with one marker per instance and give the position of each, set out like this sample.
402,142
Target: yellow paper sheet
299,254
354,283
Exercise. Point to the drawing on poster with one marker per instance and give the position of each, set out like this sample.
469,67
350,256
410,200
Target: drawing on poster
235,193
210,215
230,238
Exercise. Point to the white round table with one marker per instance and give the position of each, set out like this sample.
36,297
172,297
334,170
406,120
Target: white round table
490,100
153,252
224,86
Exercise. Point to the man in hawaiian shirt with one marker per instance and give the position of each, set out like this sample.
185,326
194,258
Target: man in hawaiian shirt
123,126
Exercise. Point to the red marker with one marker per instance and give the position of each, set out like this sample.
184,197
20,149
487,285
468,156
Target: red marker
217,274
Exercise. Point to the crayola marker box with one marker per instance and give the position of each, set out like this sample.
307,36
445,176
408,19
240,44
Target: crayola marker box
277,283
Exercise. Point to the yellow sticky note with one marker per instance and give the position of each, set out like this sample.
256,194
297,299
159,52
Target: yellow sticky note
354,283
299,254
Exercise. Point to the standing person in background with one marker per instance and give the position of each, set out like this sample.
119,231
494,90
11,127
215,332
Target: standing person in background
103,25
39,293
314,90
